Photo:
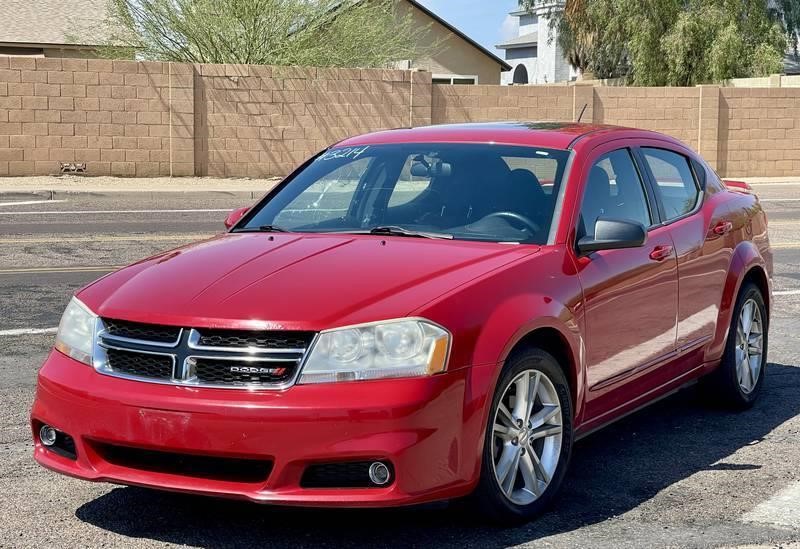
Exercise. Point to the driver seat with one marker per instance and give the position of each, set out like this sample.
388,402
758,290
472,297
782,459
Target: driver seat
522,193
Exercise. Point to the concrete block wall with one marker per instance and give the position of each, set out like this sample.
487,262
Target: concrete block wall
761,130
113,115
457,104
260,121
142,119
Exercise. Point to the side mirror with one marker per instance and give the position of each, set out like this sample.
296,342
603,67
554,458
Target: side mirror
235,216
613,234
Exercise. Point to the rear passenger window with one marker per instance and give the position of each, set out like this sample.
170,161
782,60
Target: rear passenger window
676,184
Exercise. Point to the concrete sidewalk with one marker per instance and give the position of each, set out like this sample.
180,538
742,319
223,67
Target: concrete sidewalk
55,187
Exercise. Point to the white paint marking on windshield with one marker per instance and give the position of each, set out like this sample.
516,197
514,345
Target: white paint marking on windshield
351,153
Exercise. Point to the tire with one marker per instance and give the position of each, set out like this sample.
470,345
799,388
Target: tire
521,503
733,384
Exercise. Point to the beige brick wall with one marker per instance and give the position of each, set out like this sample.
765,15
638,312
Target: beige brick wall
742,132
148,118
762,126
673,111
455,104
113,115
258,121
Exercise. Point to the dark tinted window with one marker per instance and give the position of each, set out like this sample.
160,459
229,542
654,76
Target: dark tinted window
472,192
613,190
676,185
707,178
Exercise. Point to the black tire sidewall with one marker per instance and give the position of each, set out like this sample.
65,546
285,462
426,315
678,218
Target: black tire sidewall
488,497
728,370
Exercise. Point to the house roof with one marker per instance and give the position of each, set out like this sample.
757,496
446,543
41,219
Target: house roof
524,41
460,34
52,22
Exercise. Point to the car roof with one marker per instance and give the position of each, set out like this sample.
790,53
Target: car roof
556,135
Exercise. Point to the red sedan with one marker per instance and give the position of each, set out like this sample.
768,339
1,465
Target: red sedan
417,315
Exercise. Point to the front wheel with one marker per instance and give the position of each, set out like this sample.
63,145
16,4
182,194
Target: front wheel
528,441
738,380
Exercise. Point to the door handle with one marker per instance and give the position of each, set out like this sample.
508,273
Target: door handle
722,228
660,253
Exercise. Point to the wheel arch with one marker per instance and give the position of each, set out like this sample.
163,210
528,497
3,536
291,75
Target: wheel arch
747,265
552,341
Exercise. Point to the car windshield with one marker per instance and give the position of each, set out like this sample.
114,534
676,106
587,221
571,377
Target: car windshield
484,192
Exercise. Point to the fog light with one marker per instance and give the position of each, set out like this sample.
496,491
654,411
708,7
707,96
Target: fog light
48,435
379,473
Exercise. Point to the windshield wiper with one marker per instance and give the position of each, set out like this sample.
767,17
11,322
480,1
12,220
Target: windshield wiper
391,230
263,229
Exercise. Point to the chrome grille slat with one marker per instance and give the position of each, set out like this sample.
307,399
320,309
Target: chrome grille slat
224,367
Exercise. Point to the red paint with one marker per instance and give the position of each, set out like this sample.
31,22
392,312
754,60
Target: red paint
234,217
633,323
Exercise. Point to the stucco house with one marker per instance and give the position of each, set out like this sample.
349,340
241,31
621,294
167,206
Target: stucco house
46,28
458,59
535,57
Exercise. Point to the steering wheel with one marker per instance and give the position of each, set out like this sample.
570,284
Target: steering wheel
519,218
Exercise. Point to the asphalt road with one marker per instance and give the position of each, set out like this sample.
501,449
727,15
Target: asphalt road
680,473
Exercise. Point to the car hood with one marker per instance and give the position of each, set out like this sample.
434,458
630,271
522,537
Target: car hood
290,281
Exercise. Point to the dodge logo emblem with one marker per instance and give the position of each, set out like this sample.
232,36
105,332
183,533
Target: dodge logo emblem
251,370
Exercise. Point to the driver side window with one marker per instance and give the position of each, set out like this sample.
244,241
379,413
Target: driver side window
613,190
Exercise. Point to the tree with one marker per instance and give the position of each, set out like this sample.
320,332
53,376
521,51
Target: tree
788,11
674,42
323,33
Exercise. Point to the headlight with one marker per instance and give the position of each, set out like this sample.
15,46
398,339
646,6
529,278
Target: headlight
76,332
390,349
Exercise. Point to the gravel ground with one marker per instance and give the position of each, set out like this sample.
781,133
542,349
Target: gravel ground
678,474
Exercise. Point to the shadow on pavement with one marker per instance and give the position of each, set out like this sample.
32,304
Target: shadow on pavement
612,471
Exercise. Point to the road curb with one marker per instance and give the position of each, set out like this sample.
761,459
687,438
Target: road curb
63,194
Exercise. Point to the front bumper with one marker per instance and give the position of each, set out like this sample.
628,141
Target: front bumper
426,427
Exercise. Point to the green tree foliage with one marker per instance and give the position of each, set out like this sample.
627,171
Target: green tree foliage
322,33
673,42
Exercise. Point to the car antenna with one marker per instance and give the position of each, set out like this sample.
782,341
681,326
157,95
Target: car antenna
583,110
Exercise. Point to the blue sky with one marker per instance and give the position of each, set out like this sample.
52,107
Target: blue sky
485,21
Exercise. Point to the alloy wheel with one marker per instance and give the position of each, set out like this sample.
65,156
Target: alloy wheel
749,346
526,433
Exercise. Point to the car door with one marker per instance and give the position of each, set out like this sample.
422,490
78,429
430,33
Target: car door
702,234
630,295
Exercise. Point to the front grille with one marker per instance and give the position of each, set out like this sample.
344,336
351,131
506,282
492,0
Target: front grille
237,373
144,332
189,465
262,340
139,364
235,359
